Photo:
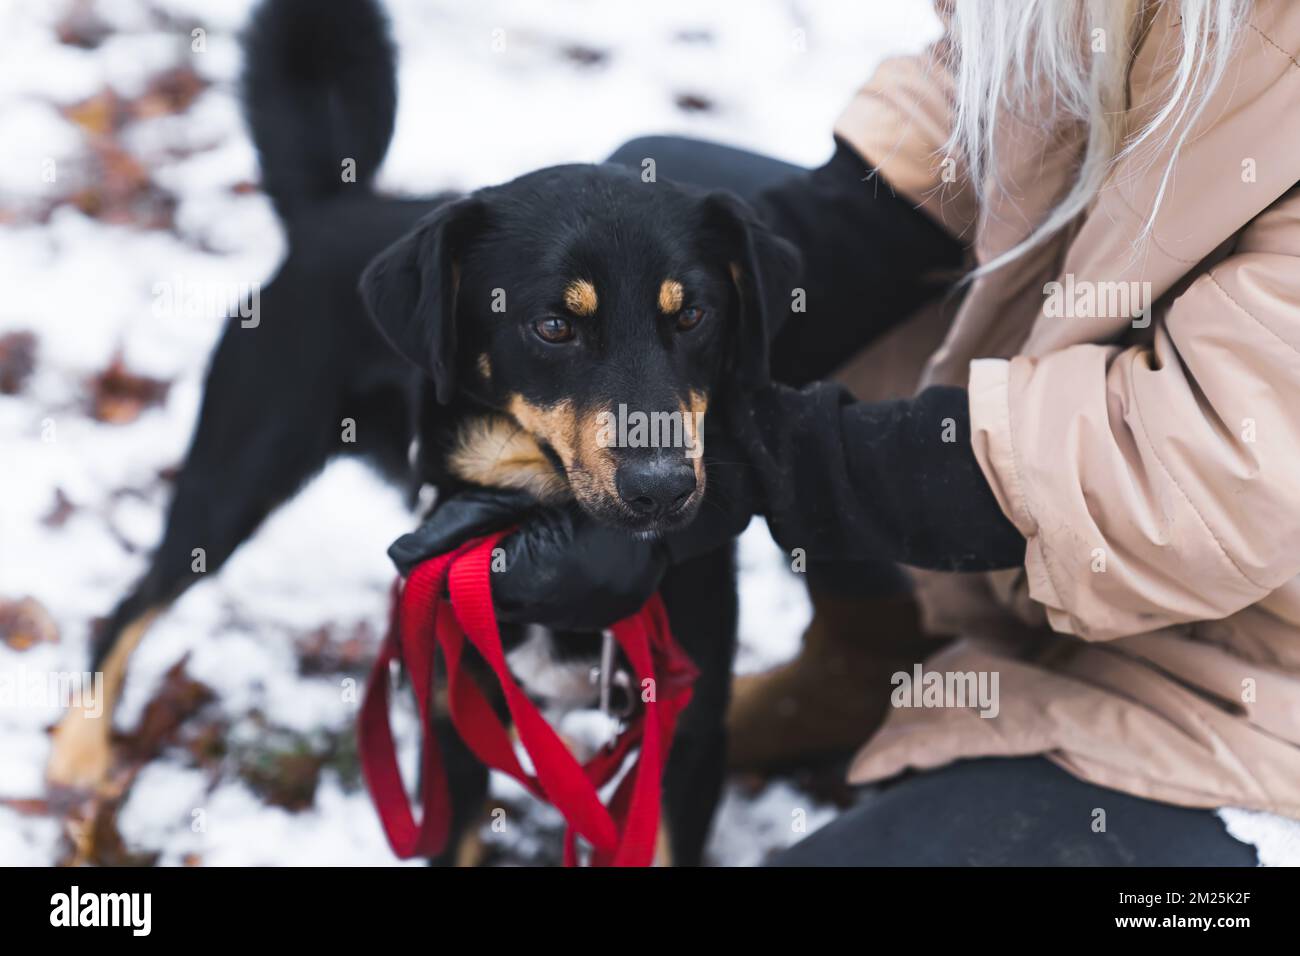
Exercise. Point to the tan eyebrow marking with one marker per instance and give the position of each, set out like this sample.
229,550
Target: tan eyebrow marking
580,297
670,296
485,366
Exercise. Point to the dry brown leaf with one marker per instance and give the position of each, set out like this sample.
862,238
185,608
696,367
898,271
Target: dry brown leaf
168,92
90,819
118,396
584,55
326,651
122,192
27,806
60,511
17,361
119,188
693,103
178,699
99,115
285,779
94,838
82,27
24,623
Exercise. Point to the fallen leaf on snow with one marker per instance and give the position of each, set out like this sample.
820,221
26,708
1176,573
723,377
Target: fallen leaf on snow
24,623
693,103
282,767
82,27
584,55
326,651
118,396
60,511
90,819
122,192
178,698
98,115
171,91
95,839
17,361
27,806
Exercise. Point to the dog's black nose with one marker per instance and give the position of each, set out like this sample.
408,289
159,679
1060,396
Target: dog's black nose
656,486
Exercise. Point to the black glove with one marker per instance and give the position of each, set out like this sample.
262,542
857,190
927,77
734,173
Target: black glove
562,568
870,260
847,480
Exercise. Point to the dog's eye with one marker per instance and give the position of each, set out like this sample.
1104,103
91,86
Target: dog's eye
553,329
689,317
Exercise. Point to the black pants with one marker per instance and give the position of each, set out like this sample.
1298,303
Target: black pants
1024,811
987,812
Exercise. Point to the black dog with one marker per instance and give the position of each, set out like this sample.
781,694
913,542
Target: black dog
505,331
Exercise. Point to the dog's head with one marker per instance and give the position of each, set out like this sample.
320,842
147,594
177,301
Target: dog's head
597,311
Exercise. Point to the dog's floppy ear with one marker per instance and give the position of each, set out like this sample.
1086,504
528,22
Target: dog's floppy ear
410,290
765,268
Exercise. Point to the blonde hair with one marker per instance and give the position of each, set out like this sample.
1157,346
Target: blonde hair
1009,54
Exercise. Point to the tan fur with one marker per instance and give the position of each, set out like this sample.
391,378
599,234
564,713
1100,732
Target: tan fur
670,297
485,367
595,475
738,280
698,405
81,752
472,851
663,845
494,451
580,297
588,467
554,424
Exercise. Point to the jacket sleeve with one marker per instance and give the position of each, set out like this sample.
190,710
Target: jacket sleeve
870,259
899,122
1160,484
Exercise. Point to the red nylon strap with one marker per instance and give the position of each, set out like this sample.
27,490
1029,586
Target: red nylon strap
622,834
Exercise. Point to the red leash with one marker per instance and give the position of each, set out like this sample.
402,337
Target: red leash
622,834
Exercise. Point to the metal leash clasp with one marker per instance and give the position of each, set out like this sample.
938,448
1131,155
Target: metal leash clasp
609,676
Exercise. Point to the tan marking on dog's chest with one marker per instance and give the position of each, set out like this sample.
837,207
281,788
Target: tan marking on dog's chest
496,452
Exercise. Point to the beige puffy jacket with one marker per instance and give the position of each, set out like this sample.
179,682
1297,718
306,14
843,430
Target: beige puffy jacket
1151,641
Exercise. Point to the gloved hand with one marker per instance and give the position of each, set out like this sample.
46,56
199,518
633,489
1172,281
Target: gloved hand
844,480
562,568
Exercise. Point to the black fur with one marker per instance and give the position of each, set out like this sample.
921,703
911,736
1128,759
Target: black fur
319,88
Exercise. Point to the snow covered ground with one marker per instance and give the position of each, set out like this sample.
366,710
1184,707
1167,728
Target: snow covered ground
126,169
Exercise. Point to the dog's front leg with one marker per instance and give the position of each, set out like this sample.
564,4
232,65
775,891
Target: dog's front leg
700,596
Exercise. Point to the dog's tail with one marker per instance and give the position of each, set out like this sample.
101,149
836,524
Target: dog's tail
320,96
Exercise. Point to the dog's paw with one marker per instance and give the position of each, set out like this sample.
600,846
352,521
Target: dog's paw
81,752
